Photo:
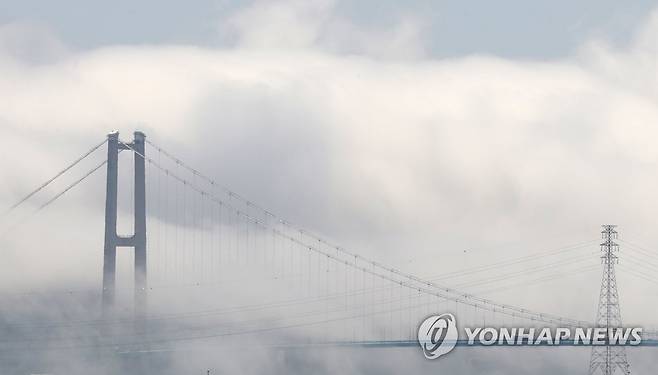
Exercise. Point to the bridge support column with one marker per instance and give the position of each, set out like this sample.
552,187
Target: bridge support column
112,239
110,250
139,238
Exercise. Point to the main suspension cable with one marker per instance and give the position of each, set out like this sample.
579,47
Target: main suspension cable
53,199
434,289
56,176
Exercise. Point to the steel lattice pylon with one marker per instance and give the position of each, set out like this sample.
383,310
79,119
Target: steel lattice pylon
608,359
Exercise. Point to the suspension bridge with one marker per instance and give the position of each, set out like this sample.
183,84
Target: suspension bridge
234,270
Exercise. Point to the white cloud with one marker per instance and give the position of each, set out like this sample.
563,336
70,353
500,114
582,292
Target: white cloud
472,142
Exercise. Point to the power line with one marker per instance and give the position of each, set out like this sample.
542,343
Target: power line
215,335
540,280
510,262
638,274
642,262
316,312
586,257
207,312
642,250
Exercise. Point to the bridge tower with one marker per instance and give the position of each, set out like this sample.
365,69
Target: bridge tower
113,240
608,359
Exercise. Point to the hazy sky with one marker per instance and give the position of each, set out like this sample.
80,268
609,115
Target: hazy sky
508,28
431,136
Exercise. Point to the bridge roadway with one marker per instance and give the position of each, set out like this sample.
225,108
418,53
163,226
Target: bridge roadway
372,345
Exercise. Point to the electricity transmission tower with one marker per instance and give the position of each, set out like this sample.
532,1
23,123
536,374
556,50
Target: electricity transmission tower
608,359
